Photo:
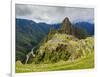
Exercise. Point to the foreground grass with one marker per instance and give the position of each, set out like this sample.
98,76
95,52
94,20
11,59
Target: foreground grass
82,63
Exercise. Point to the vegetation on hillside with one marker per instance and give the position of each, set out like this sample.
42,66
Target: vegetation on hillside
66,48
81,63
28,35
63,47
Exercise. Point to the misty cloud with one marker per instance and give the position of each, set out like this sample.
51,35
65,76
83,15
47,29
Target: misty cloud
51,14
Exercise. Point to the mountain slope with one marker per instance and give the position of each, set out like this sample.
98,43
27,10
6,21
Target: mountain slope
28,35
64,44
64,47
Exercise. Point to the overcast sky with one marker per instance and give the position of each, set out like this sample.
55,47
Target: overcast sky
53,14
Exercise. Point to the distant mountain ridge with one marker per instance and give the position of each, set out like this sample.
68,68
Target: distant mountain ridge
89,27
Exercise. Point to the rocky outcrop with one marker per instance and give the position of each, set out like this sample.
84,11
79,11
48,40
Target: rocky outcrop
63,47
66,26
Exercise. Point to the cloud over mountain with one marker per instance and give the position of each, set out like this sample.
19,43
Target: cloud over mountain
52,14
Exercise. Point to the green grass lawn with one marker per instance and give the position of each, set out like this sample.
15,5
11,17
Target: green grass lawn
82,63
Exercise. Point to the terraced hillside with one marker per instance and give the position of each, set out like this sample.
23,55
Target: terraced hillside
81,57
